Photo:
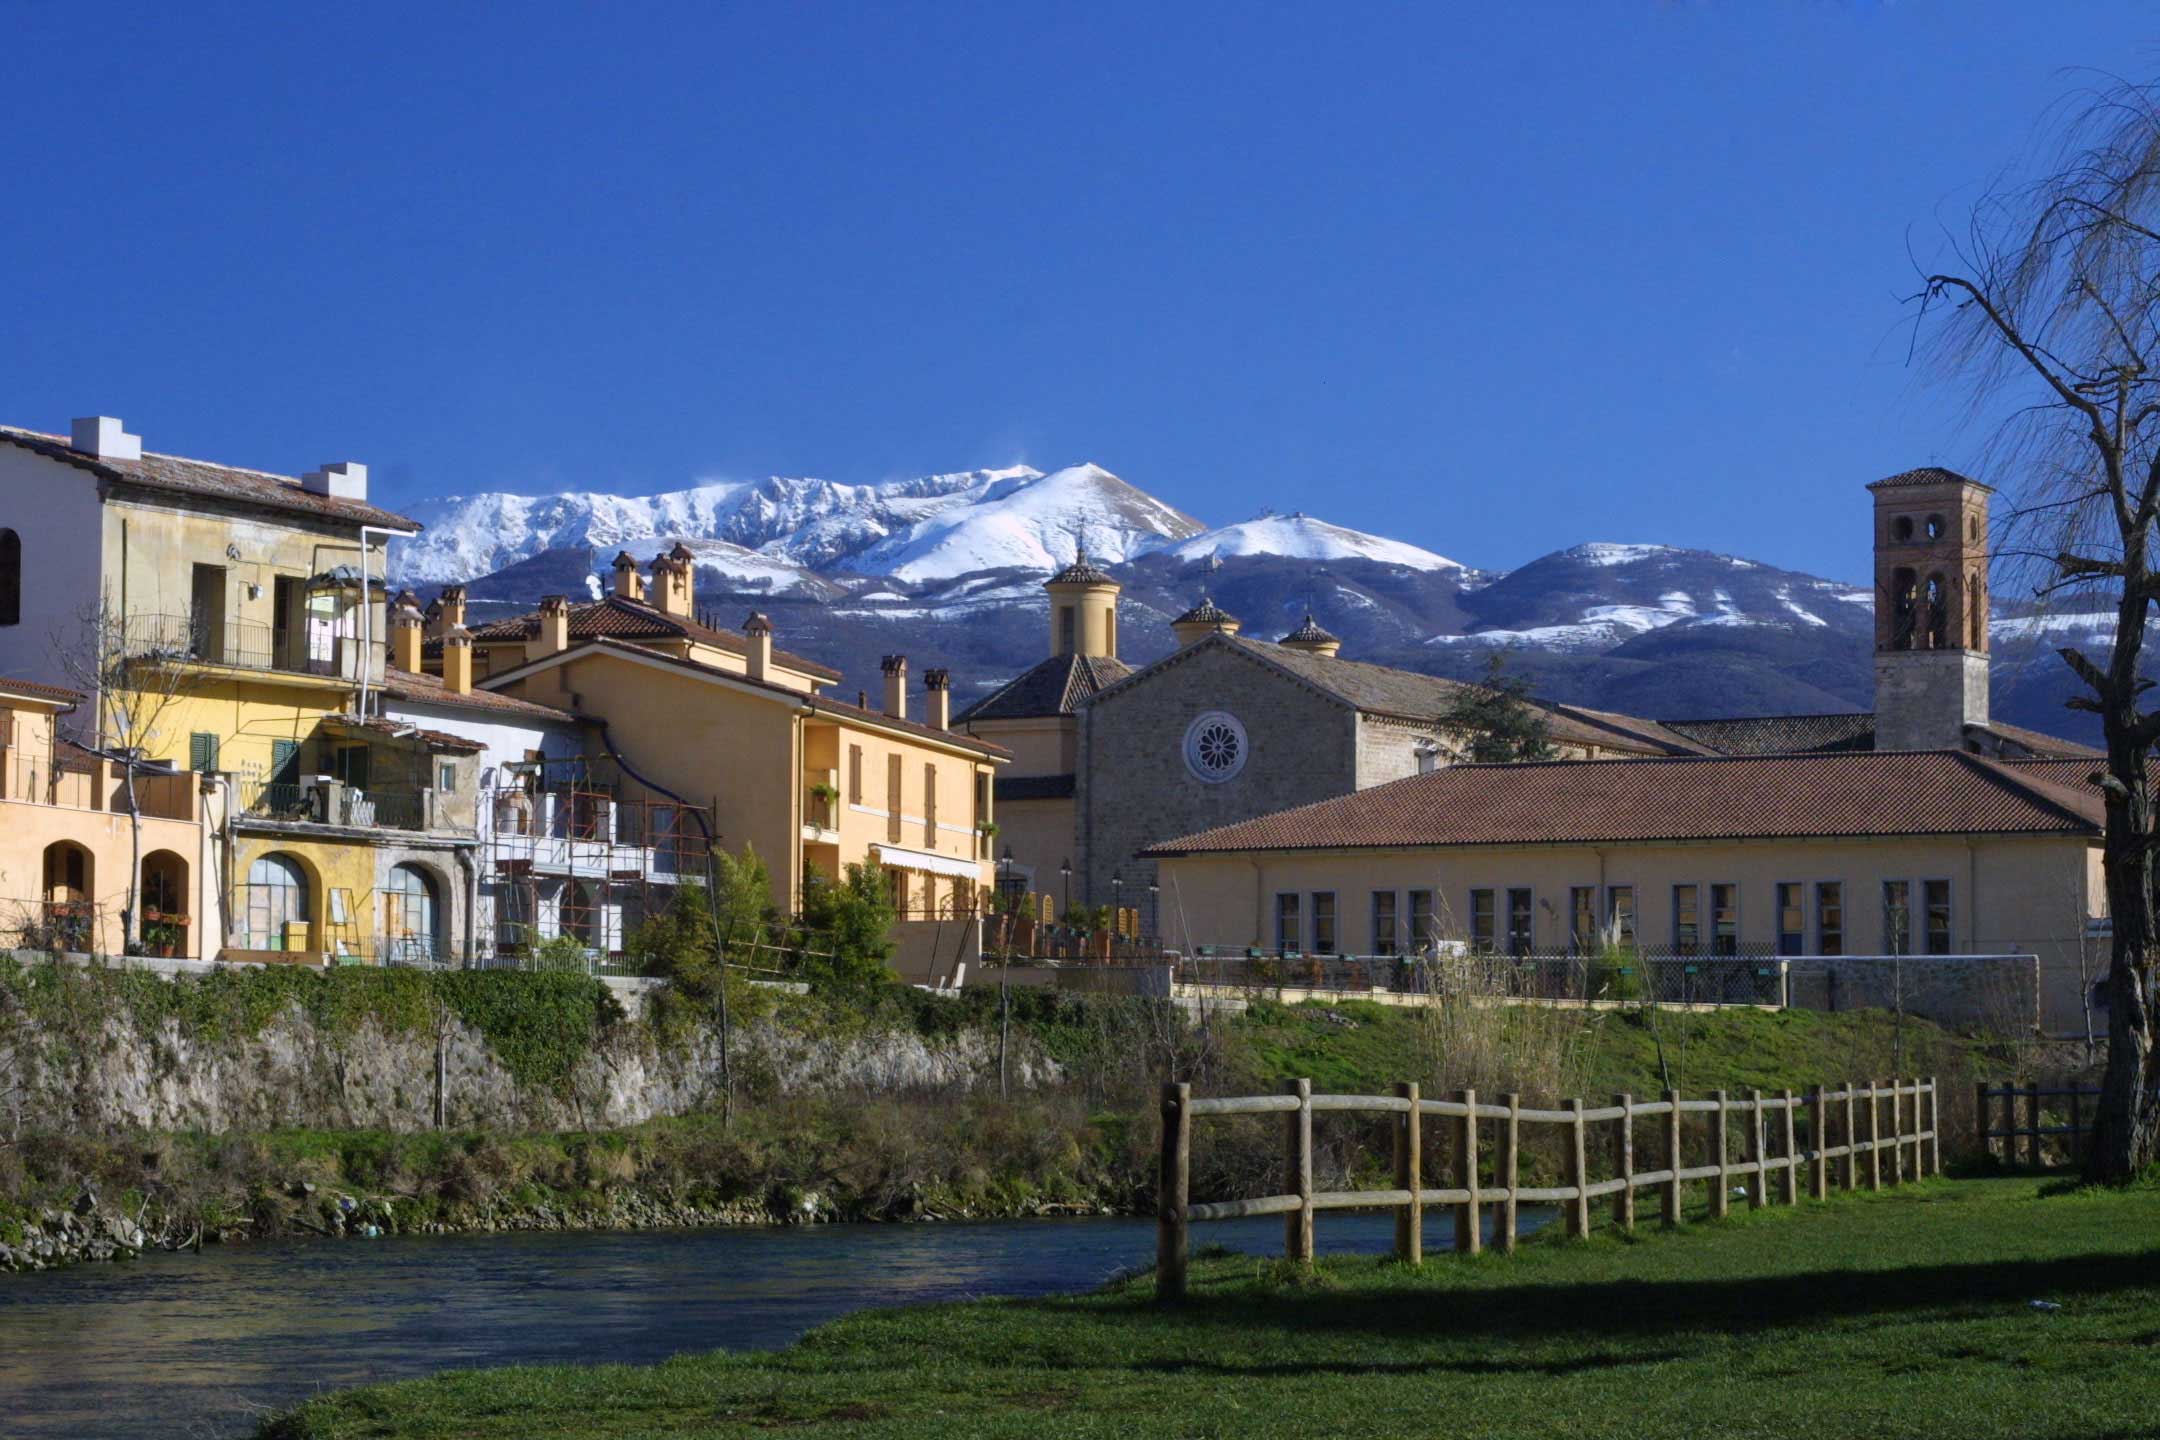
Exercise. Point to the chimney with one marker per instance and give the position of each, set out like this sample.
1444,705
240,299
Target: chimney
450,609
671,582
937,698
105,437
554,624
457,660
406,627
346,480
628,583
759,631
896,686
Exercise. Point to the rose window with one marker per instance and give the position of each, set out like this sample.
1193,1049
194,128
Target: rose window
1215,747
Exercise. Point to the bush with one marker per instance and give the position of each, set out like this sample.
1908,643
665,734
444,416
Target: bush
850,930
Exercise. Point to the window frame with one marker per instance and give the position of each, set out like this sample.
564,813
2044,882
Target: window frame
1420,930
1289,922
1724,946
1484,930
1692,944
1927,916
1629,933
1521,942
1898,942
1580,941
1388,940
1843,927
1797,938
1332,944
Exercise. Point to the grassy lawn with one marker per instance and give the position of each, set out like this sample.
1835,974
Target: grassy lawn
1903,1313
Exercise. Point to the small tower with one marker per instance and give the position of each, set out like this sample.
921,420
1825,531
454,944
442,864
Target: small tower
1931,609
1205,619
629,585
1310,638
1083,610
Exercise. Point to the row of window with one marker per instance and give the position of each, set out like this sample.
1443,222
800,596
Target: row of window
1916,919
893,795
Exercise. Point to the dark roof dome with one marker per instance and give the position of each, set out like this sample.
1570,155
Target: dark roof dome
1308,633
1207,612
1082,571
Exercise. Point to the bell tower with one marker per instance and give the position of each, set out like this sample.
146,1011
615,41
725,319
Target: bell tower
1931,609
1083,610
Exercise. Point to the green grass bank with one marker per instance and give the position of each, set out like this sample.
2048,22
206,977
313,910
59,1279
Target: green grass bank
1906,1313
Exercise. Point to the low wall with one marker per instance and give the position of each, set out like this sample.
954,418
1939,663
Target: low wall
1993,994
937,953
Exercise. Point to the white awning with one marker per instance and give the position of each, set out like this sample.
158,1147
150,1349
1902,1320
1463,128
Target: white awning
897,857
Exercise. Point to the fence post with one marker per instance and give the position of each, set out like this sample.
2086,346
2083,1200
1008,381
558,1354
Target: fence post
1755,1188
1935,1125
1897,1131
1409,1172
2032,1120
1981,1100
1818,1142
1578,1171
1297,1163
1789,1177
1623,1200
1469,1223
1852,1138
1510,1142
1173,1193
1721,1145
1672,1158
1874,1136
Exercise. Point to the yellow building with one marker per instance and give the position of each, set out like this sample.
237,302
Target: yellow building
720,718
230,622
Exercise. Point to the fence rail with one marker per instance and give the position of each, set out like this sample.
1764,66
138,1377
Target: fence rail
2076,1127
1854,1111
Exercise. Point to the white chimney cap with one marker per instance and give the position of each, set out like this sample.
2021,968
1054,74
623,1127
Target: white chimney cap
347,480
105,437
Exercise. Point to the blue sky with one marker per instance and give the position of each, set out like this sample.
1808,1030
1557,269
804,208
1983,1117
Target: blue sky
1490,279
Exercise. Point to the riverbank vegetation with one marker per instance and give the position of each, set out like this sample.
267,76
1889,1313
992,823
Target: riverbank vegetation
2000,1307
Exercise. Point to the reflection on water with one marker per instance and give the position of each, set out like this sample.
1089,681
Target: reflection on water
203,1345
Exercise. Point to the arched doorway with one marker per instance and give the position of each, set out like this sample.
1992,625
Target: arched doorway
579,914
412,917
164,894
70,914
276,904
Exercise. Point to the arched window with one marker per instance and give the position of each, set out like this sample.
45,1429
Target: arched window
412,931
1976,606
10,578
1938,613
579,917
276,906
1903,608
70,914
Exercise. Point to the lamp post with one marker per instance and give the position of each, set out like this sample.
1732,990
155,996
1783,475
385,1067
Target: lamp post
1065,869
1004,865
1154,906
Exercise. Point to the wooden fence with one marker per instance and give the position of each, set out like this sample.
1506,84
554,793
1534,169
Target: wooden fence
1768,1134
2075,1128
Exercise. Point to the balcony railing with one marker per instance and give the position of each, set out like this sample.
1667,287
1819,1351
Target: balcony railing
334,803
248,645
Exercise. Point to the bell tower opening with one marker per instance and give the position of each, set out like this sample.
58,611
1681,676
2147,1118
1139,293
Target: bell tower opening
1083,610
1931,615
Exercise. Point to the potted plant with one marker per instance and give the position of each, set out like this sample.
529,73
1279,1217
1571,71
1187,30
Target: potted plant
826,795
163,935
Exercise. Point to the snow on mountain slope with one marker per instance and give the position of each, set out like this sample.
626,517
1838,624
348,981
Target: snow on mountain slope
1033,524
1301,537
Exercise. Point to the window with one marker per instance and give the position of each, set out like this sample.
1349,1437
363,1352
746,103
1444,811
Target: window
1519,913
1724,920
277,904
284,762
854,774
1936,895
1620,912
1582,919
206,618
1481,921
202,752
892,799
1384,939
1428,757
1065,630
1686,920
1829,918
1323,922
1938,613
929,800
1897,917
411,929
10,578
352,766
1110,633
1791,920
1421,920
446,776
1287,924
982,798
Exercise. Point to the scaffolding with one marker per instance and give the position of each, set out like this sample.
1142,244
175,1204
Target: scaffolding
566,853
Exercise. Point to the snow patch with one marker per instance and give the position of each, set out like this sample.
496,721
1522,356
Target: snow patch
1301,537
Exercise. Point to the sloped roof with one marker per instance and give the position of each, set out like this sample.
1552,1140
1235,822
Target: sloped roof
430,690
1207,612
38,689
1925,475
1054,687
201,477
2041,746
617,618
1779,734
1309,633
1927,792
1082,571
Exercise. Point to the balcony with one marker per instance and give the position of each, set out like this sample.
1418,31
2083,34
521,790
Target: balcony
332,802
250,645
592,833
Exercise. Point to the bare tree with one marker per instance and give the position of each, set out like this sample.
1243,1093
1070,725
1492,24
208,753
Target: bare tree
137,680
2053,307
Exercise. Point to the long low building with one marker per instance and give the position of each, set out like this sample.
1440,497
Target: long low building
1939,853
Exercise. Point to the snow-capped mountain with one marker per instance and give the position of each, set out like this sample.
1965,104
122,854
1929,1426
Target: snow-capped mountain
1301,537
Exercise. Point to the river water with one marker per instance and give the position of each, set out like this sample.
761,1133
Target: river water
204,1345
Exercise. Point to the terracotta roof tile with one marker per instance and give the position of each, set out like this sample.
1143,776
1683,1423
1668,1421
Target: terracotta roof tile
430,690
1924,475
40,689
200,477
616,618
1932,792
1055,687
1779,734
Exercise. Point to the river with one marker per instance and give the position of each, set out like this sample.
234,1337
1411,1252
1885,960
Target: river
203,1345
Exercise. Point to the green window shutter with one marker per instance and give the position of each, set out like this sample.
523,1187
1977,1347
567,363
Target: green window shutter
284,762
203,752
